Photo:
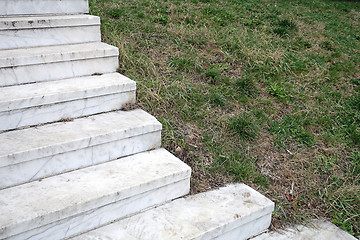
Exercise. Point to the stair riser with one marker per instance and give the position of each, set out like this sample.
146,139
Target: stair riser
97,217
49,36
15,7
72,109
247,230
52,165
58,70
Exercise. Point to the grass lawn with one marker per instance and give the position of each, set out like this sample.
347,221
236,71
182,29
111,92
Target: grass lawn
258,91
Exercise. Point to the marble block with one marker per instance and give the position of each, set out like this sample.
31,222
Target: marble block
25,7
34,31
32,104
319,229
233,212
34,153
28,65
74,202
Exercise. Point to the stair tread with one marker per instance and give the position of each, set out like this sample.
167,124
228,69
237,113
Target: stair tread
59,53
203,216
47,21
43,93
38,203
47,140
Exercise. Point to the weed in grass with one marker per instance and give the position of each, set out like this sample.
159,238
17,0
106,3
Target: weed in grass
327,45
244,127
285,27
246,86
213,74
163,20
241,167
292,127
117,13
277,91
217,99
300,44
182,64
355,81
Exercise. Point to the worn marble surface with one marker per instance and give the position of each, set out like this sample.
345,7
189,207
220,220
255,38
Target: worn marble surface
318,230
47,21
33,31
48,140
66,110
32,104
51,92
234,212
47,166
18,66
77,201
14,7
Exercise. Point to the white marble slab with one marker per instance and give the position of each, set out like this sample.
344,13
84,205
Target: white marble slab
33,31
55,112
18,66
48,36
51,92
48,166
317,230
15,7
234,212
28,144
32,104
48,21
74,202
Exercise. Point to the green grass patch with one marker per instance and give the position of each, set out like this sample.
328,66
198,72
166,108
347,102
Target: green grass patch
263,92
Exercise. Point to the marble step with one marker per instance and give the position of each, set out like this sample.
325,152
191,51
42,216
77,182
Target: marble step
27,7
318,229
32,104
235,212
34,153
74,202
34,31
28,65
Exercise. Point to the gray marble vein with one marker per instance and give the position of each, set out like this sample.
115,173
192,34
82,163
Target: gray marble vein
33,143
56,62
235,212
77,201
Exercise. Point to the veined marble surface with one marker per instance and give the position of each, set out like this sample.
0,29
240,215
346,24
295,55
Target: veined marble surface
65,110
11,7
47,21
77,201
34,31
48,36
234,212
32,104
48,166
39,64
53,54
11,76
48,140
51,92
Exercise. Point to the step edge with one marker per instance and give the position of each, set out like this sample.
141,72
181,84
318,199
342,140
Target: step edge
178,174
152,125
123,85
102,50
7,23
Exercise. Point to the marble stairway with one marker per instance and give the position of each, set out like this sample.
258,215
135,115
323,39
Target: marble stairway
71,160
